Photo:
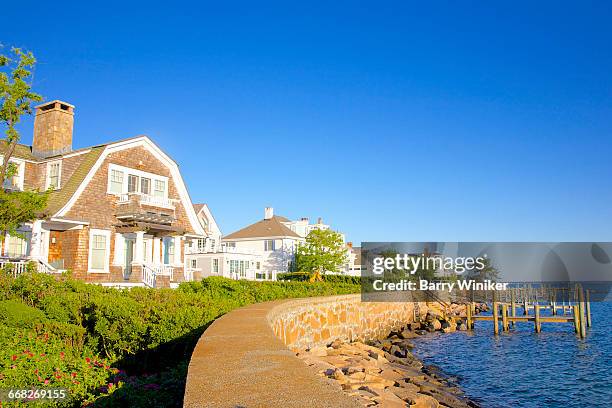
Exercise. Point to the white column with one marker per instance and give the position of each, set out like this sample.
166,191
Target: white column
139,250
157,251
36,240
177,250
119,258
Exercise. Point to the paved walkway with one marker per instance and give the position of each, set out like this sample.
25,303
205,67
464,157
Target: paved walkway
239,362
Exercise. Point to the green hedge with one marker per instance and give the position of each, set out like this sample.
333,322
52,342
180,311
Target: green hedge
305,276
114,347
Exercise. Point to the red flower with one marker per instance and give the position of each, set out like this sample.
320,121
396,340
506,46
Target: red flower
42,354
62,354
73,375
36,371
13,357
87,359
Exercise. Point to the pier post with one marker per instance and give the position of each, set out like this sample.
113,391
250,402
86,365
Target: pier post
538,324
513,305
526,306
468,313
505,317
576,319
581,309
588,308
495,318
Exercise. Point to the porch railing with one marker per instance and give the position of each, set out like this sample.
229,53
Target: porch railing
150,273
20,266
148,276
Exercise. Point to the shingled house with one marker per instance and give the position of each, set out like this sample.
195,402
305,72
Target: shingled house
119,213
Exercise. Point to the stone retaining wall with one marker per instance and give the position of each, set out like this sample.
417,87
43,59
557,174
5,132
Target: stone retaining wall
314,322
243,358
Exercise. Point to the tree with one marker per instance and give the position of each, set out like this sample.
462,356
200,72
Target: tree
323,251
16,99
487,272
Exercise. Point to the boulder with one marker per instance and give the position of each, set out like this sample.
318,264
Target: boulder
318,351
424,401
389,400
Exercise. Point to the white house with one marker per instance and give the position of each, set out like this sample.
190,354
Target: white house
270,239
209,257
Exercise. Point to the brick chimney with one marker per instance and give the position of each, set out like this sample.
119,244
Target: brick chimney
268,213
53,129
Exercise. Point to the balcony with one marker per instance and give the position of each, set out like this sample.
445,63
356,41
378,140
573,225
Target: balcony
147,200
151,211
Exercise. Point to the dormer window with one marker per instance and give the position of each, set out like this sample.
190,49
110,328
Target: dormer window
53,174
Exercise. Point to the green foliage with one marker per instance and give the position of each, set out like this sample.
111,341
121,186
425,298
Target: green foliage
127,347
16,99
323,251
305,276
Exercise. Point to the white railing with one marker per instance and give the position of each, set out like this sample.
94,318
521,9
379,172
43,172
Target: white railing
157,201
220,249
150,272
147,199
148,276
20,266
189,274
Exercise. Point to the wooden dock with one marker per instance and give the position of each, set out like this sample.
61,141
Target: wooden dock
576,311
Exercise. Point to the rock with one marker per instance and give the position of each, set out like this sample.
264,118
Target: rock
462,327
318,351
389,400
339,376
392,375
424,401
420,332
336,344
406,394
373,391
407,334
354,369
436,324
358,375
401,353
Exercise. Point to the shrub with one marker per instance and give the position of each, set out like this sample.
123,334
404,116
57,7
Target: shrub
54,327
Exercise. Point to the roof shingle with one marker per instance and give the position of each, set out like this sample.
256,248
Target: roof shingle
272,227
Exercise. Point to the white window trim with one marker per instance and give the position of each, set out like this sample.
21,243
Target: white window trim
59,174
20,170
127,171
107,235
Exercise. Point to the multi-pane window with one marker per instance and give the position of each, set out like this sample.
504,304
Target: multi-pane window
215,265
269,245
212,244
258,265
17,246
145,186
132,183
160,188
54,175
201,244
116,182
125,180
98,252
193,263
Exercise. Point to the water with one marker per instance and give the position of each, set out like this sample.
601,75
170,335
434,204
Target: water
554,368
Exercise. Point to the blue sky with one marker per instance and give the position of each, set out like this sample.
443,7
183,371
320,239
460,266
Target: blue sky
392,121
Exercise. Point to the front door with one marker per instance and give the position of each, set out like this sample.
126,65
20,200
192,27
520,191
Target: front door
129,257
